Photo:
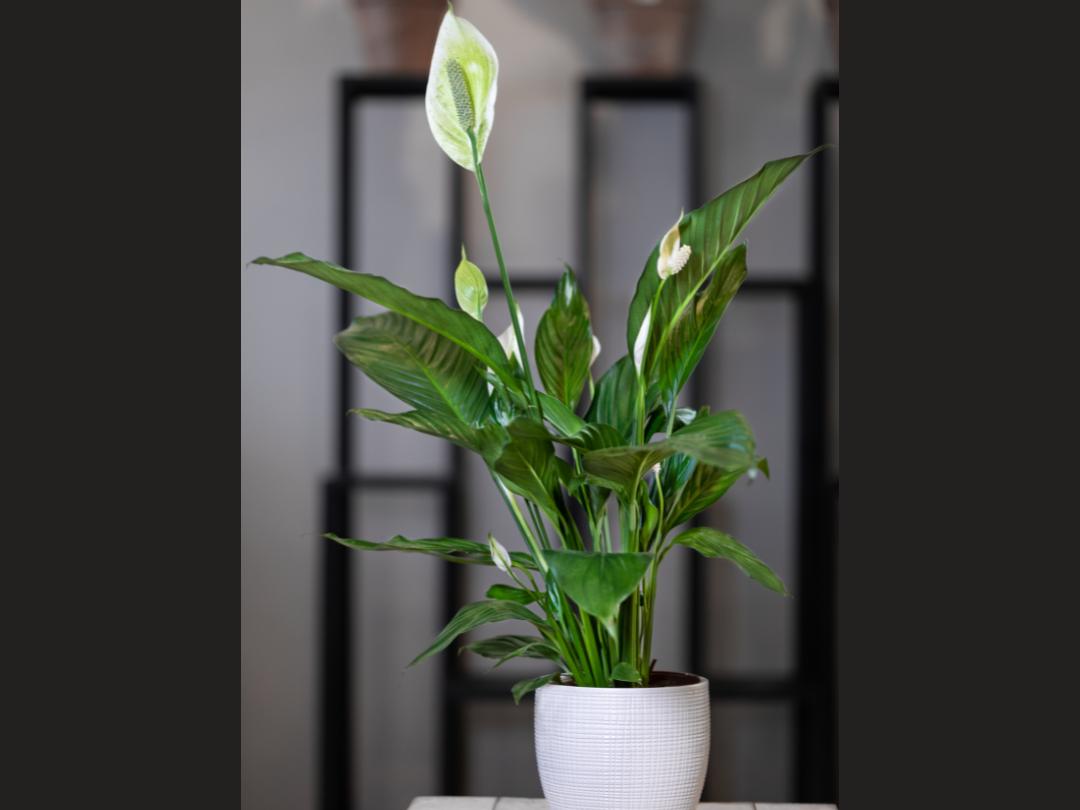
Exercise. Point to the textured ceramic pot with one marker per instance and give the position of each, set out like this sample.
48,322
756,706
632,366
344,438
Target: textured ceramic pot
623,749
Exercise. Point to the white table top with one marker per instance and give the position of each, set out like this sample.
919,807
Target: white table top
494,803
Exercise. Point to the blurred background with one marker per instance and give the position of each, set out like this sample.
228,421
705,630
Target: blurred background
610,118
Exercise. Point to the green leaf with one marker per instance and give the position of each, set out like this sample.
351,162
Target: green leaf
472,616
522,688
623,671
470,287
619,468
712,543
503,648
530,467
417,366
596,581
487,440
681,349
721,439
613,402
710,231
564,342
510,594
465,331
452,549
704,486
561,418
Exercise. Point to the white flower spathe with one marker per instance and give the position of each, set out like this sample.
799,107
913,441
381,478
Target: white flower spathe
673,253
595,350
642,341
499,555
509,340
461,89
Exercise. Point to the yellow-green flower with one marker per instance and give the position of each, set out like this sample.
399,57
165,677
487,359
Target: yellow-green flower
461,88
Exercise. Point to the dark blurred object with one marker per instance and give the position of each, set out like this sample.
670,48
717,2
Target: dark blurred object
644,37
397,36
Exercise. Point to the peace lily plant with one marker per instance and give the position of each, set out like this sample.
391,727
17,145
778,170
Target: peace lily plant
599,491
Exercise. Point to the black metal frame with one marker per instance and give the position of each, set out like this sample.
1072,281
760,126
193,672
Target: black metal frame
811,688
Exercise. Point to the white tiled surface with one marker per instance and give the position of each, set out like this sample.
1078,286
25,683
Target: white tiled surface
489,803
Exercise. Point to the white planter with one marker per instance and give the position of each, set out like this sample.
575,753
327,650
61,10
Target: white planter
623,749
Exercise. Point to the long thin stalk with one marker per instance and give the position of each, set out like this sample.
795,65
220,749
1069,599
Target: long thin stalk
511,302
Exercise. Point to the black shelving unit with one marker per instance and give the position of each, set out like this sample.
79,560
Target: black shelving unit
811,688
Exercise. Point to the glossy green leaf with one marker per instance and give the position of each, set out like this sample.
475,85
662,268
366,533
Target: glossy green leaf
721,439
503,648
417,366
709,231
681,349
470,287
465,331
522,688
452,549
529,466
472,616
596,581
486,440
703,487
712,543
564,420
613,402
625,672
564,342
510,594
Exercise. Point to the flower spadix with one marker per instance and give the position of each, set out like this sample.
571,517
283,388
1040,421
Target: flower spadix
673,253
460,97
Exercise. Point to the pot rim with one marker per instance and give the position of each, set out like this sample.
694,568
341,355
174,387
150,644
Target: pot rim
698,682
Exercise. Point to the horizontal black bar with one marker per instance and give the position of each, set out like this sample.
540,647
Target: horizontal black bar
359,86
469,687
529,283
622,88
393,482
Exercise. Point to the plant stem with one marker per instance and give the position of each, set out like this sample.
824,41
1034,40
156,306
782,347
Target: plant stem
511,302
523,527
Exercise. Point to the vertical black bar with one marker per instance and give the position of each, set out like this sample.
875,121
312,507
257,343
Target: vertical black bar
816,731
335,703
453,765
345,217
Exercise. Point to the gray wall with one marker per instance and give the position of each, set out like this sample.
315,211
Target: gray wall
758,61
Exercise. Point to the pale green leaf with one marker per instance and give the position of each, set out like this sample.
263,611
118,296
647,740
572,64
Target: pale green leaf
470,287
